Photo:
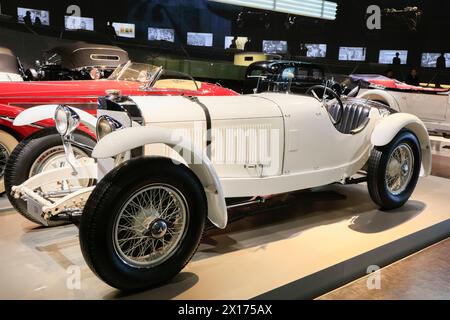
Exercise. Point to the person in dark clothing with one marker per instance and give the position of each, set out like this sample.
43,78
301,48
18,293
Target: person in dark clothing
440,66
390,74
413,78
233,44
441,63
37,22
248,45
27,19
110,31
396,61
303,50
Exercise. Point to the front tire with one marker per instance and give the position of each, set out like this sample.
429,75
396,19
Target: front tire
143,223
394,170
41,151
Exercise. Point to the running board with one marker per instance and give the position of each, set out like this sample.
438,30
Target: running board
246,203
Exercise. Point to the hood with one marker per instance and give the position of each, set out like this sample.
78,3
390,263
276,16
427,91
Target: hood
183,109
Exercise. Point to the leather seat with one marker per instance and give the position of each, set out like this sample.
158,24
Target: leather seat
354,116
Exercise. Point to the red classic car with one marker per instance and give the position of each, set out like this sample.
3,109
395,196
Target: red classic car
129,79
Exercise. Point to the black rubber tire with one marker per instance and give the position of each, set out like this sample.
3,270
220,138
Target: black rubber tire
377,168
97,221
24,155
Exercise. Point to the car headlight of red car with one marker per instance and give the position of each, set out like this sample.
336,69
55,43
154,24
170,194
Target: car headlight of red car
66,120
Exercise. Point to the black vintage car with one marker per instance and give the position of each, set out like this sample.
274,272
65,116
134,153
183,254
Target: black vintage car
282,75
10,67
78,61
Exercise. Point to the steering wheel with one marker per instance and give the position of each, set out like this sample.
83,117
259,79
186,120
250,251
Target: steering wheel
328,94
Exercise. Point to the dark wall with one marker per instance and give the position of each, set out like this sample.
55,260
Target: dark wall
203,16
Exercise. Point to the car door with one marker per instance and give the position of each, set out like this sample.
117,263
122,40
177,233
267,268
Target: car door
316,153
425,106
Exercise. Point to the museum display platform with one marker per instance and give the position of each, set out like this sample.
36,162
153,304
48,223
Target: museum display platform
300,245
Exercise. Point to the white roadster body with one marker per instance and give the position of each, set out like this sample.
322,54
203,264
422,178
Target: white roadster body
166,163
262,144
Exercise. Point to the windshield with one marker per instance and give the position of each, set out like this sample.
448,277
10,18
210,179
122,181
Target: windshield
137,72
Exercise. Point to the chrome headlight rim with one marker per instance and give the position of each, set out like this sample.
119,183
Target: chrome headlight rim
66,120
106,125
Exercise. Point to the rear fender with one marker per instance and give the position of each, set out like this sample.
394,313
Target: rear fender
381,96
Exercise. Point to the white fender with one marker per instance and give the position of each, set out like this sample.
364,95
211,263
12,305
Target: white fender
382,96
387,128
39,113
126,139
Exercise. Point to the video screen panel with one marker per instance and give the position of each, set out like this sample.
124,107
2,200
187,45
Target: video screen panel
161,34
316,50
352,54
240,42
387,56
200,39
78,23
429,59
35,15
275,46
125,30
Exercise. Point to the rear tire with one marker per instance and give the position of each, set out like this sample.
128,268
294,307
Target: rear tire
112,223
7,145
22,163
391,181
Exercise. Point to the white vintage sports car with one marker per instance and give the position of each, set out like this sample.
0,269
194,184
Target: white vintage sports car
166,164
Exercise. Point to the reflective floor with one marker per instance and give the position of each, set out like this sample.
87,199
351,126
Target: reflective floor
273,245
265,248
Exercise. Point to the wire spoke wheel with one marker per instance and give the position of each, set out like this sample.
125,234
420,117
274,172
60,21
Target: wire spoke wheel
150,225
399,169
4,155
54,158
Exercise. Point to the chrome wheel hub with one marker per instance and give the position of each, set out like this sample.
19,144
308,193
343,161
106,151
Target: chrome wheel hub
157,229
399,169
150,225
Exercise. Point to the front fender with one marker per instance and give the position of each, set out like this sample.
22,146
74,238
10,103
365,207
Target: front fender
381,96
130,138
39,113
387,128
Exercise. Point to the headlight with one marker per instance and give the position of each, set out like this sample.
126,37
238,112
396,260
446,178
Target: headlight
106,125
66,120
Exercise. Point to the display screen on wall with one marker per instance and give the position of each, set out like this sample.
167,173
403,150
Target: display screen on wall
240,42
310,8
200,39
275,46
429,59
316,50
352,54
125,30
161,34
34,16
78,23
387,56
